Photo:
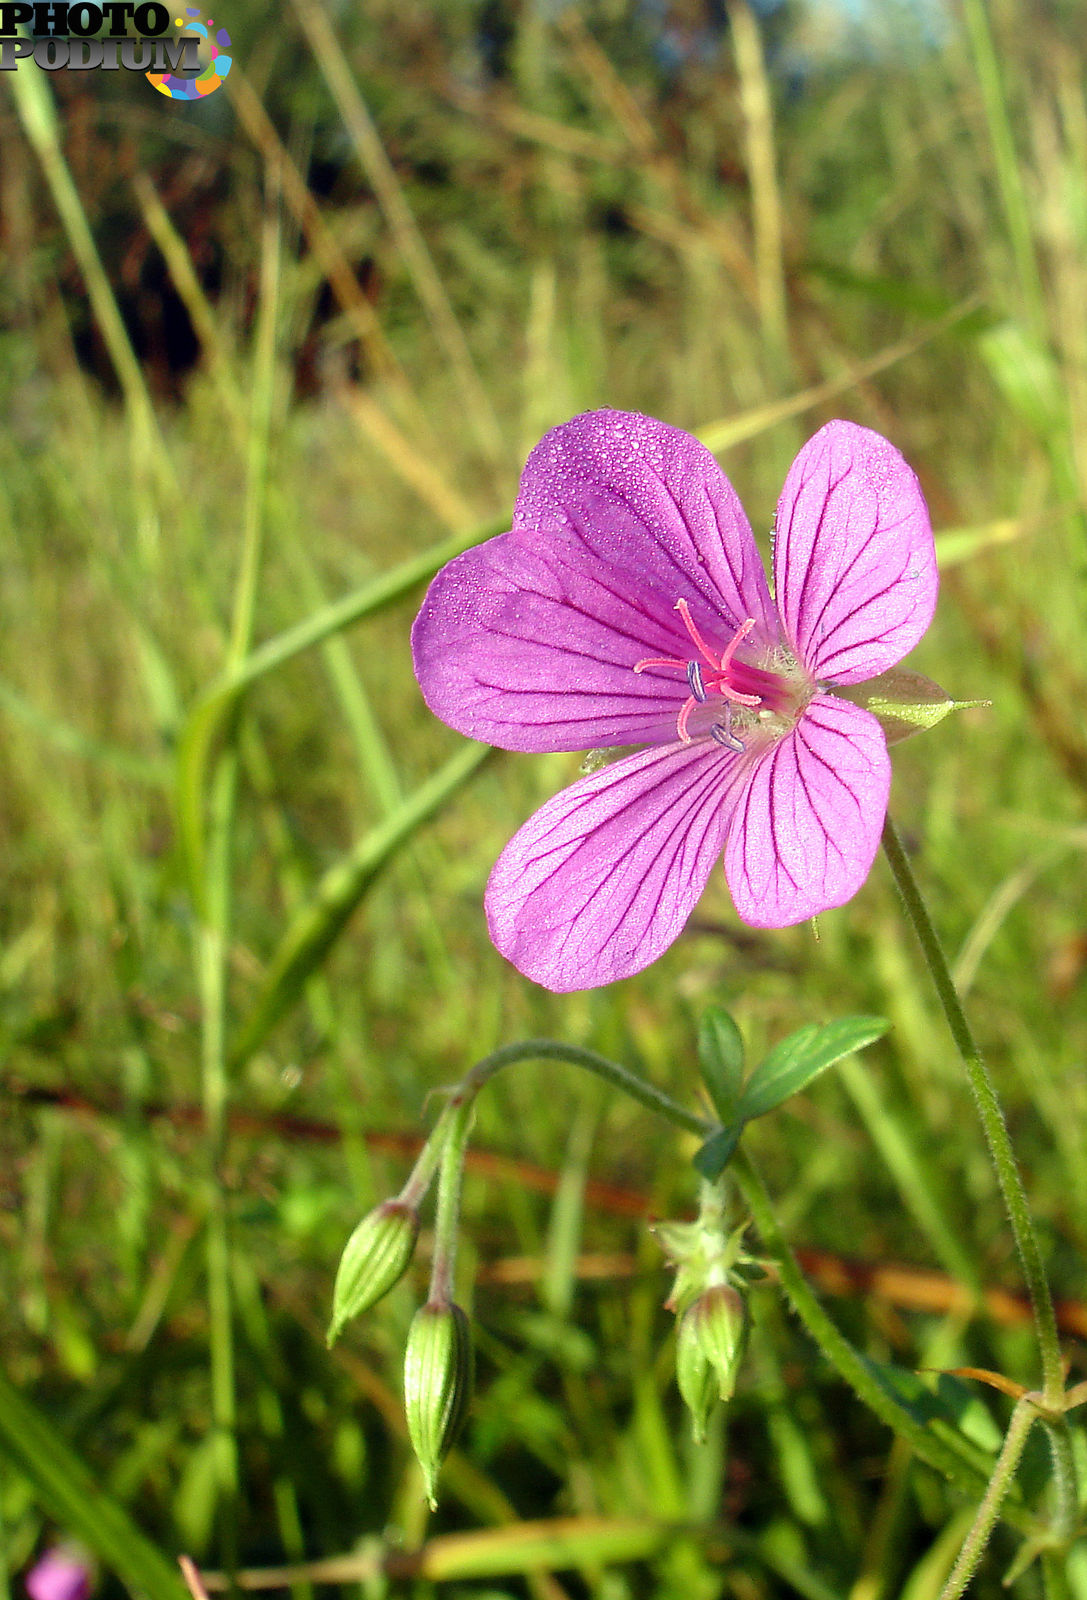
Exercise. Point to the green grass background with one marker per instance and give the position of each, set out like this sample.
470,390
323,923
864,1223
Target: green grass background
241,937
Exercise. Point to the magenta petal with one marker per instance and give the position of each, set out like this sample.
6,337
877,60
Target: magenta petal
854,562
806,830
528,650
650,504
529,641
602,879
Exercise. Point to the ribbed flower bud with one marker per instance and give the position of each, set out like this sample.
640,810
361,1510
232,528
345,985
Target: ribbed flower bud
696,1378
375,1258
437,1384
709,1347
719,1319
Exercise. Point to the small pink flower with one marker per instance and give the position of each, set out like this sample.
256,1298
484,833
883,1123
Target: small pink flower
628,605
60,1574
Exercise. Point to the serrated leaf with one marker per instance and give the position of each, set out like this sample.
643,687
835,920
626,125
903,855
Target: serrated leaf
721,1057
716,1153
797,1060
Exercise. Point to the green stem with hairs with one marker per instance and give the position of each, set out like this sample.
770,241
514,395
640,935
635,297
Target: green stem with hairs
1054,1402
611,1072
992,1120
974,1544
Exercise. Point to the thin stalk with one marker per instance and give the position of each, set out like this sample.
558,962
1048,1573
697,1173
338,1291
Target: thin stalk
214,932
422,1174
1065,1486
974,1544
211,975
992,1120
757,106
447,1220
611,1072
1017,215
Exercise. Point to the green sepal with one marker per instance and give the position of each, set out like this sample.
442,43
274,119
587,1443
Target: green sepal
903,702
695,1376
720,1319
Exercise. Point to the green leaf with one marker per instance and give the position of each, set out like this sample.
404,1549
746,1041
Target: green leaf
716,1153
721,1057
797,1060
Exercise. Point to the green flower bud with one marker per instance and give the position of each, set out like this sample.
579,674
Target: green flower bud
695,1376
376,1257
437,1384
710,1338
719,1318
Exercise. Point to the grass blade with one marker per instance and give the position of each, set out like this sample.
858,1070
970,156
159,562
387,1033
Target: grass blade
75,1499
207,716
320,922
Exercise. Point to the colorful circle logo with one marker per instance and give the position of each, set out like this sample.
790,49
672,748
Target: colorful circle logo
214,62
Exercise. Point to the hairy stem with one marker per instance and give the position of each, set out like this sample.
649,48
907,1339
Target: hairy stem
611,1072
992,1120
974,1544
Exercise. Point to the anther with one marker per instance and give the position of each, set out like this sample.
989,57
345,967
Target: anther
724,736
694,678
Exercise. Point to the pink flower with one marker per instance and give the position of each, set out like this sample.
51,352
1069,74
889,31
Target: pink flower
628,605
60,1574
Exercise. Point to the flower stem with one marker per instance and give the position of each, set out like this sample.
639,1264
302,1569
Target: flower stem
992,1120
449,1187
611,1072
840,1353
974,1544
422,1174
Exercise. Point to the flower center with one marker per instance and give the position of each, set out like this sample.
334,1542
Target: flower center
749,696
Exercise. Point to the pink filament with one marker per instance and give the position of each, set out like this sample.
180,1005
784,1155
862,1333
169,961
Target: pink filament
720,678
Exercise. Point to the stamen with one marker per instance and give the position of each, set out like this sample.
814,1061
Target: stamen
711,675
660,661
689,623
741,634
681,721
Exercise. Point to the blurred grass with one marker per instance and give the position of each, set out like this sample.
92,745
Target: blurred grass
209,719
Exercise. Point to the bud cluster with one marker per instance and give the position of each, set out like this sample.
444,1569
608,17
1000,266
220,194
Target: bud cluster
438,1356
711,1315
